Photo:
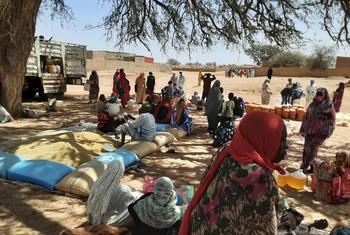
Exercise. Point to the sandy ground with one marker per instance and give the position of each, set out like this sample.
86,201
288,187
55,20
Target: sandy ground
31,210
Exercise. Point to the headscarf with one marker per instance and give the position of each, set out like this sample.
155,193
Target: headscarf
106,188
257,139
214,97
142,75
159,210
265,84
320,115
179,111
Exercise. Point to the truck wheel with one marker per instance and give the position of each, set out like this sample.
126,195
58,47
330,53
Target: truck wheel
42,95
28,94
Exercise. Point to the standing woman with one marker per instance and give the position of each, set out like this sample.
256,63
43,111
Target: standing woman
266,92
213,106
123,87
140,88
94,87
338,96
317,126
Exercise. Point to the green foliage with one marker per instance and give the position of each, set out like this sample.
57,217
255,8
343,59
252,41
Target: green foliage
261,53
322,58
173,62
288,59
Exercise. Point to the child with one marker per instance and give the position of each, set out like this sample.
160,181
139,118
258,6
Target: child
195,98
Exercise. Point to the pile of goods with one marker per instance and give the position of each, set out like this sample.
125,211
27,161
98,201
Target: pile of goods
286,111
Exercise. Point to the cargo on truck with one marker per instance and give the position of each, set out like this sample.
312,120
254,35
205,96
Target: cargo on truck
51,65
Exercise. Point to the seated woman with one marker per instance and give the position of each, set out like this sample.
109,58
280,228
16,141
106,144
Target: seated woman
106,123
109,199
163,111
238,194
156,213
332,178
180,118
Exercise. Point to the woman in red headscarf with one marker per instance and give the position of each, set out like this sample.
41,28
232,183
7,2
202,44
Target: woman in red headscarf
238,194
338,96
121,86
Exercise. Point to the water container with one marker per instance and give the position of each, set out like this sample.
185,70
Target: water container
59,105
281,180
297,180
52,69
113,108
58,69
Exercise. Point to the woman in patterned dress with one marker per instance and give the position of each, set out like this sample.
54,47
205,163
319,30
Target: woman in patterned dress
94,87
238,194
266,92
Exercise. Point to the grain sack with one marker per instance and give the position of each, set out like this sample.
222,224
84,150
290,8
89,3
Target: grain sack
177,133
80,181
164,138
69,148
141,148
39,172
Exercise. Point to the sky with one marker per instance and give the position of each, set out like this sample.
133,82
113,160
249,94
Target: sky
91,12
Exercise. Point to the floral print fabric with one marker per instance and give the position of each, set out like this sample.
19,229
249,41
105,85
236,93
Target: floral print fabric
241,199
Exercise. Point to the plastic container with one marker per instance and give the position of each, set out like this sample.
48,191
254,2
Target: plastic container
58,69
292,114
297,180
300,114
148,184
285,113
59,105
52,69
282,180
113,108
271,110
278,110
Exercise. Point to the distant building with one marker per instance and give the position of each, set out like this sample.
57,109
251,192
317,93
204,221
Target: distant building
342,62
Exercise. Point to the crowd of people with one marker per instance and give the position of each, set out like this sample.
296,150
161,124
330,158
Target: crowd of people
292,93
238,191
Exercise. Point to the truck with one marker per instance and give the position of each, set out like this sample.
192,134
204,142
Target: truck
51,65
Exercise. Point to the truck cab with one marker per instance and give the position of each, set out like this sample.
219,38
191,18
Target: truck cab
51,65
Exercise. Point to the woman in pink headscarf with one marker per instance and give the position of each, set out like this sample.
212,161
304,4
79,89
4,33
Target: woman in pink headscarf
140,88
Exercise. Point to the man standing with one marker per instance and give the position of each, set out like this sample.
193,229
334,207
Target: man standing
181,81
207,79
310,93
269,73
151,81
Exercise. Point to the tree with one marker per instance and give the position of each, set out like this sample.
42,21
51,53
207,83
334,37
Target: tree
322,58
173,62
288,59
262,53
211,64
182,24
17,28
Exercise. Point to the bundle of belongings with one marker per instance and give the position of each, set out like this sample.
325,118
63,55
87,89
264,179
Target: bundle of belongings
4,115
331,180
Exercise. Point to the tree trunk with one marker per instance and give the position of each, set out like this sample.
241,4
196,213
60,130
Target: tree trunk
17,29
